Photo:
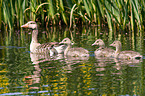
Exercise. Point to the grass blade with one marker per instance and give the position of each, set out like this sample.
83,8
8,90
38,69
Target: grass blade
87,8
0,13
71,15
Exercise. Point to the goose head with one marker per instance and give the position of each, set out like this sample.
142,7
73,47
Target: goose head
66,41
116,44
99,42
30,24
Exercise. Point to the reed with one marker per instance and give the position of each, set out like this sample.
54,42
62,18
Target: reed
0,13
116,14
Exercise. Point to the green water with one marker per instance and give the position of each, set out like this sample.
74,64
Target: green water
23,73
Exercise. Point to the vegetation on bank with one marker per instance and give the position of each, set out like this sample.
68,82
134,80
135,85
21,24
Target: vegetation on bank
116,14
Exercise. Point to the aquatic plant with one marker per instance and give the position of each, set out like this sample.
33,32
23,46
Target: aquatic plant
116,14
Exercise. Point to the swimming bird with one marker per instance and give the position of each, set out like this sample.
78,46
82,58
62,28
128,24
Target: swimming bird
102,51
36,47
124,54
76,51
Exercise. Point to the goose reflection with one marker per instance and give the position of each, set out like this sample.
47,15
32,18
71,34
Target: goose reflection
117,66
102,63
71,61
35,78
36,60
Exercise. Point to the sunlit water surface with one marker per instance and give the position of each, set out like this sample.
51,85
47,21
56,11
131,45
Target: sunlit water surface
23,73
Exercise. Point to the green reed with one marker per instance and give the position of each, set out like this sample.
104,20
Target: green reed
116,14
0,13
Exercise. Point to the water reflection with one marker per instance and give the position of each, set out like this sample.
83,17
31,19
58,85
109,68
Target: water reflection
70,59
73,74
35,78
23,73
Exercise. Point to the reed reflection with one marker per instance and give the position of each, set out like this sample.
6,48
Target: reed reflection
36,59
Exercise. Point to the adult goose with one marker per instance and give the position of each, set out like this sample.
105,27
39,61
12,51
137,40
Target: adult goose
35,47
76,51
124,54
102,51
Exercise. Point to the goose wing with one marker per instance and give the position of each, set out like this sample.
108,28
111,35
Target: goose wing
78,52
46,47
131,54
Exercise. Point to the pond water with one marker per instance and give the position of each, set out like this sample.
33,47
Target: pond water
24,73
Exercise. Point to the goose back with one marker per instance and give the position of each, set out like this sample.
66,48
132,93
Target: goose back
102,51
124,54
76,51
35,47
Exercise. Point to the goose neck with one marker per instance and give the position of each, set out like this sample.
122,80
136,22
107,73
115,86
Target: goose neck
34,36
118,50
67,49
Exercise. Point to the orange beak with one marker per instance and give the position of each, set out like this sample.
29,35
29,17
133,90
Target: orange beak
25,26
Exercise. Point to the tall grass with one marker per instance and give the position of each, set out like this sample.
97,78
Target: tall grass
0,13
116,14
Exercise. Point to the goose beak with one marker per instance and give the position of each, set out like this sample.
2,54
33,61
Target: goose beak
111,44
60,43
93,44
25,26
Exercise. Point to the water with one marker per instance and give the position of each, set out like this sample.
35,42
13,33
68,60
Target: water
23,73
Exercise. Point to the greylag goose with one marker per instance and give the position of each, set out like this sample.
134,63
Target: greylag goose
35,47
124,54
75,52
102,51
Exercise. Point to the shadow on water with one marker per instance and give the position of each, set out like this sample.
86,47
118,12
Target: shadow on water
24,73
